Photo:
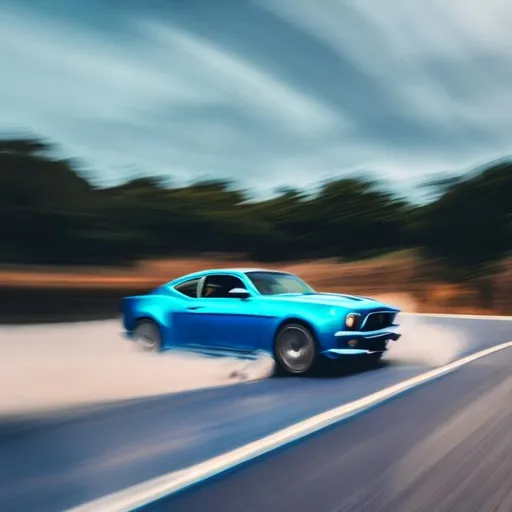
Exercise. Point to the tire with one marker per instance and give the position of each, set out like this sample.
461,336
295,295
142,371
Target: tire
147,336
295,349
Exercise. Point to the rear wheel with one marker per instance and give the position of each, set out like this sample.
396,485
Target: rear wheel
147,336
295,349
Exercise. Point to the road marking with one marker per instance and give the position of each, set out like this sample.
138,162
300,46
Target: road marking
147,492
450,315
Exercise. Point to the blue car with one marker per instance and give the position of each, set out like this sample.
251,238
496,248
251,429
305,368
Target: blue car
244,312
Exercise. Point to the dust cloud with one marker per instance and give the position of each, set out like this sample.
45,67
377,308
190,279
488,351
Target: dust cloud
51,367
423,343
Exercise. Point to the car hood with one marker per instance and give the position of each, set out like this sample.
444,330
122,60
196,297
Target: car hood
353,302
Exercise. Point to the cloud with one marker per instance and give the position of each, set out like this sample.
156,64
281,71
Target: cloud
254,89
166,101
445,64
268,93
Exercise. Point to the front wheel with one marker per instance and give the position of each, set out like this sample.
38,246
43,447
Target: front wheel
147,336
295,349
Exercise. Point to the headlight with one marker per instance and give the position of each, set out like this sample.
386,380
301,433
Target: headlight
351,320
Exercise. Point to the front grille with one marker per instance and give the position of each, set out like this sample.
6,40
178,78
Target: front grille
378,320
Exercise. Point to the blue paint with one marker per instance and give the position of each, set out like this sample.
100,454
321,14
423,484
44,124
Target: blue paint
190,319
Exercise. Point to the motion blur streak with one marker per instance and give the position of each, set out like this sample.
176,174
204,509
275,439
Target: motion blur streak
49,367
88,454
166,485
445,447
485,411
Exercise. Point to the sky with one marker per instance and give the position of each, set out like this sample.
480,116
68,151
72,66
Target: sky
268,93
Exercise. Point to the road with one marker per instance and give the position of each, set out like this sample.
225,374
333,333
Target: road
58,462
444,447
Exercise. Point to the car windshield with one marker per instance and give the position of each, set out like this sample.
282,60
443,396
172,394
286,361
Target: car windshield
276,283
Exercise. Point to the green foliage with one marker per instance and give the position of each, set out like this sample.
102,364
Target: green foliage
470,225
51,214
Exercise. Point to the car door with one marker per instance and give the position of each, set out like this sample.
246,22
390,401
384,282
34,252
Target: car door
186,330
220,322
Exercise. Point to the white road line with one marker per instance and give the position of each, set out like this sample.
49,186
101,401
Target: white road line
165,485
468,317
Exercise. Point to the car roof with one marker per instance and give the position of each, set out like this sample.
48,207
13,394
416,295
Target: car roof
233,270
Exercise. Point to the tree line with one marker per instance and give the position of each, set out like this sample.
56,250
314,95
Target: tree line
51,214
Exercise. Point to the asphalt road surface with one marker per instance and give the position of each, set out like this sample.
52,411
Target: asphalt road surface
444,445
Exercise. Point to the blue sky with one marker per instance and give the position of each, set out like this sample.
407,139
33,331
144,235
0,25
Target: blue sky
267,92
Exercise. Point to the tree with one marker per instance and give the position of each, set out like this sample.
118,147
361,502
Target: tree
44,202
355,217
470,226
54,215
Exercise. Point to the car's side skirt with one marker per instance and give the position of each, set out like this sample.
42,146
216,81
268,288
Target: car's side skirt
219,351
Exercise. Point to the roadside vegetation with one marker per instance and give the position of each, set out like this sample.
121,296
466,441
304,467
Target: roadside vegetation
53,216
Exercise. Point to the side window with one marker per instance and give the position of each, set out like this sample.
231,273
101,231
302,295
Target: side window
219,286
188,288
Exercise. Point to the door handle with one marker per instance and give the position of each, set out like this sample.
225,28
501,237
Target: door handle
194,307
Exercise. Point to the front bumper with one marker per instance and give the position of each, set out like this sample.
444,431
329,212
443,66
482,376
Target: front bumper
360,343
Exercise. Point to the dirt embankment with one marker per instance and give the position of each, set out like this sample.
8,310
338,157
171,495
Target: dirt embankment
65,294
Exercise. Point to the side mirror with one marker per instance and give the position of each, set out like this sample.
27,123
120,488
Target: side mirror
239,293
